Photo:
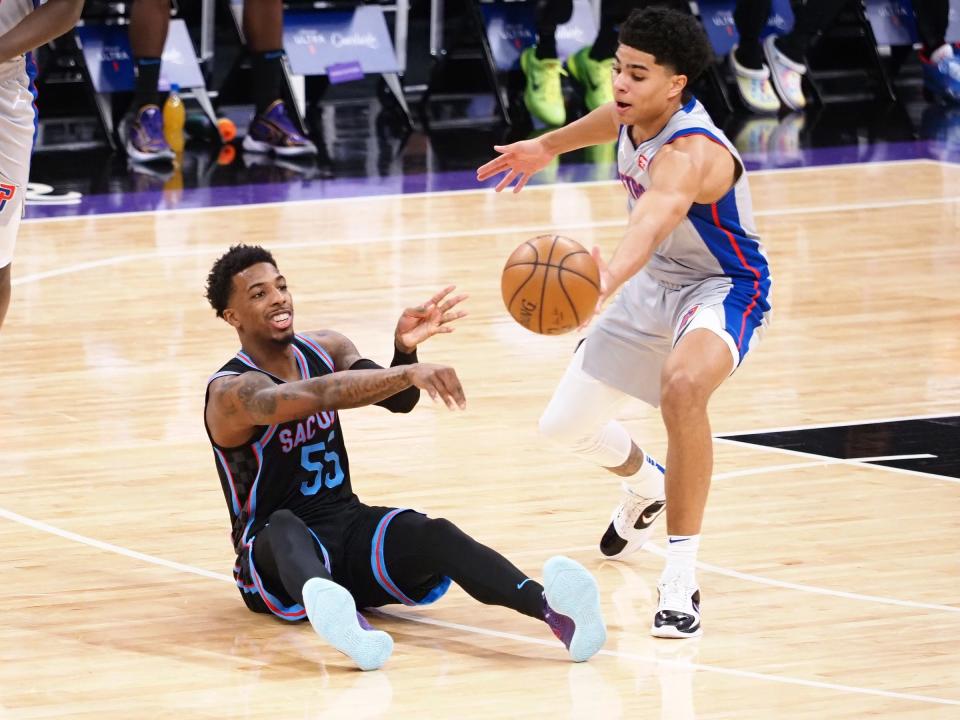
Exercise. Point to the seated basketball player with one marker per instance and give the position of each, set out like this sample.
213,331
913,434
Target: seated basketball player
695,291
24,26
306,546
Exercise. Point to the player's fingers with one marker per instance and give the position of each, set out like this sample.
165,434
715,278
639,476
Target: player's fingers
522,182
451,316
435,300
455,300
498,164
508,178
452,383
444,392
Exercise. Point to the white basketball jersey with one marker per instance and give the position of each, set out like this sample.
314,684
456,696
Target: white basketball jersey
719,239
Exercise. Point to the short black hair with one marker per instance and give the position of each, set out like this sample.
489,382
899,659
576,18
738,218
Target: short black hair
237,259
675,39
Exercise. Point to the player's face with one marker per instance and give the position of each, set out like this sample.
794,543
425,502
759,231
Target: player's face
642,89
261,304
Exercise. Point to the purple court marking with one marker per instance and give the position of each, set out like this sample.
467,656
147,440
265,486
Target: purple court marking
352,187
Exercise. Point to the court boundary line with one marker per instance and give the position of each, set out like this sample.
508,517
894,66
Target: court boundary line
839,461
732,672
114,260
835,423
444,193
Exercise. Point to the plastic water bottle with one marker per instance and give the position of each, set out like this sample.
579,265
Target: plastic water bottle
174,117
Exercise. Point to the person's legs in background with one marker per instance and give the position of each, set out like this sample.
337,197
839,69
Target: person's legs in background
149,20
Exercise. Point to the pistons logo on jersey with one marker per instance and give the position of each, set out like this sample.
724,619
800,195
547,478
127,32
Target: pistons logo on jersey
687,317
7,192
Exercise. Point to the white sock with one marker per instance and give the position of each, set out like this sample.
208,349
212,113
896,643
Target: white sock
941,53
681,558
648,480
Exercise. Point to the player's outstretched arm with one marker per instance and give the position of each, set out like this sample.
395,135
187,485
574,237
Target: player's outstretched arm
676,180
521,160
49,21
239,403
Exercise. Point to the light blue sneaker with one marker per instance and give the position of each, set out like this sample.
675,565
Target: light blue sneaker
333,615
573,607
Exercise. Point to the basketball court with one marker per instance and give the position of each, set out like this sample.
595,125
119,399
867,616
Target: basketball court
828,568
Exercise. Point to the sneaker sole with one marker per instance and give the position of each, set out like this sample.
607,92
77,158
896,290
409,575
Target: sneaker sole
670,632
142,157
255,146
572,591
333,615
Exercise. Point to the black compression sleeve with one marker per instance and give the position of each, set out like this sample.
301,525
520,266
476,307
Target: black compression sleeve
403,401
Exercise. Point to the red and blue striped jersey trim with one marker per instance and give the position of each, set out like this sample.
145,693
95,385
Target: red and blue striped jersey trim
318,349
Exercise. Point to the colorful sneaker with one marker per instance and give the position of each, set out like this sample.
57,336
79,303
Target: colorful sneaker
543,95
754,86
333,615
596,76
571,607
273,131
942,79
678,611
145,141
786,74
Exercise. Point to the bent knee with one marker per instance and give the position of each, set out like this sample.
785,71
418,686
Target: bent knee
681,390
284,518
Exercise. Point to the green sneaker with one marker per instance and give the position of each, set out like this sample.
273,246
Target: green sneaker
542,95
596,76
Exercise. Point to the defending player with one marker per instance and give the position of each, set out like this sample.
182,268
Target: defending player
306,546
22,28
695,292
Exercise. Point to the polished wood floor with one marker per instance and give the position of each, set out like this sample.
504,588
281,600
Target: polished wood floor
830,590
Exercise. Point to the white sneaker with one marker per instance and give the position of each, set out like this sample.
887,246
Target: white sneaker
678,612
631,524
787,75
754,86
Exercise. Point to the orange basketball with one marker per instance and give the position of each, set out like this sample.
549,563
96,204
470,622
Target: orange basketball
550,284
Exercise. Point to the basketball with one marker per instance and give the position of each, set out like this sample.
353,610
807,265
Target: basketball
550,284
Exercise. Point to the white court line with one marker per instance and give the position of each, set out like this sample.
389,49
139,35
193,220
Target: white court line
759,579
506,230
444,193
844,423
653,659
782,679
839,461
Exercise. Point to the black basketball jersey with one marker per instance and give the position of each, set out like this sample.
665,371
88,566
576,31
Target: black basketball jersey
300,465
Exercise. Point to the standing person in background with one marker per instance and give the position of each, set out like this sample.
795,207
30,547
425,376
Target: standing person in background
591,66
23,27
939,59
271,129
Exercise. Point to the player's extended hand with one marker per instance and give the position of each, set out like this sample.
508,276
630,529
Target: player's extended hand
519,160
607,284
419,323
439,381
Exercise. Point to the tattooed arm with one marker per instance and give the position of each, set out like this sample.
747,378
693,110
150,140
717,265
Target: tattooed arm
239,403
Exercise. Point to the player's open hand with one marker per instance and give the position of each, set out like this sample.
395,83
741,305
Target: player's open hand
436,315
440,382
519,160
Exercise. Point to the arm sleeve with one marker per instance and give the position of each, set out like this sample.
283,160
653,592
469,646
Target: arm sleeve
403,401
